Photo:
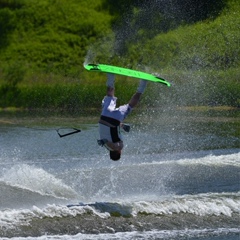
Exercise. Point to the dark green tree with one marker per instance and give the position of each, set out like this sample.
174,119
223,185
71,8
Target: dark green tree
7,24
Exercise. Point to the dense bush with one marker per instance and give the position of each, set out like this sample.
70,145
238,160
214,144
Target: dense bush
52,35
43,45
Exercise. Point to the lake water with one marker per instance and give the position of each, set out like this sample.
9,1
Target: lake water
179,178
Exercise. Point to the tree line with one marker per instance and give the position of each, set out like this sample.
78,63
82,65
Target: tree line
46,42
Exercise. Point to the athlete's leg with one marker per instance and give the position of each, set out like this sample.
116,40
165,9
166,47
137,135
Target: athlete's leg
136,97
110,84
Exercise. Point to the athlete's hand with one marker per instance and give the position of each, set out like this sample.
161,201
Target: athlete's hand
126,127
101,142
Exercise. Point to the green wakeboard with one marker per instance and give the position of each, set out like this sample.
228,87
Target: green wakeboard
125,72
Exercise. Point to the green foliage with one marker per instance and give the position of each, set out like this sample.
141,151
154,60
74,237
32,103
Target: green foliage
11,4
9,91
73,98
54,35
201,88
7,24
138,20
225,88
43,45
205,45
9,96
14,74
211,46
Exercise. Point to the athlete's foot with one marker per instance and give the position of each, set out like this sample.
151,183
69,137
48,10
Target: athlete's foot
142,85
110,80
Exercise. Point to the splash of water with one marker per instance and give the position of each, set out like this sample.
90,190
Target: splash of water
37,180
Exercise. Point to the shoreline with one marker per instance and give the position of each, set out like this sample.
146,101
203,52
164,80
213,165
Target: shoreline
12,116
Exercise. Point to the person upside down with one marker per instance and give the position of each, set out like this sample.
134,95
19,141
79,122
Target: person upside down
111,120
